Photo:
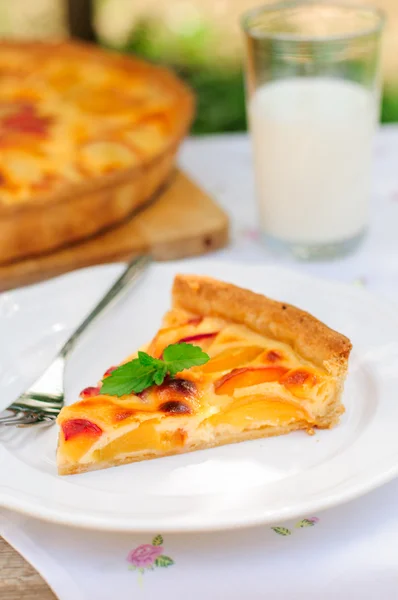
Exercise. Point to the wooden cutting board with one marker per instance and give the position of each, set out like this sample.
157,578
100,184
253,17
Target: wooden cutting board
182,221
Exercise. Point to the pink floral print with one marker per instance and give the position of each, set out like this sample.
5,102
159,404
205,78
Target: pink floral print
147,557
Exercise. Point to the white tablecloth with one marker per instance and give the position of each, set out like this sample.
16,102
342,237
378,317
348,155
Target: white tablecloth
348,552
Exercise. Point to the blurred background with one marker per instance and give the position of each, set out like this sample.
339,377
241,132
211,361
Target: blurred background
200,39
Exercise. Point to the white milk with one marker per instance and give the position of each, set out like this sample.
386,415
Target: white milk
312,152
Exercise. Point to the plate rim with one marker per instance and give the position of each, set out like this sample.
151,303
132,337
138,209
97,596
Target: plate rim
82,520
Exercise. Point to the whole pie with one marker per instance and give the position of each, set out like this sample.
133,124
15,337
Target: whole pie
273,369
86,137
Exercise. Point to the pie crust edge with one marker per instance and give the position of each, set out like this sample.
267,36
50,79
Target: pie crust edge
308,336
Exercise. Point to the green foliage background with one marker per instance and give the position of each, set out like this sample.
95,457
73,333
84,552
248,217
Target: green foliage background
219,88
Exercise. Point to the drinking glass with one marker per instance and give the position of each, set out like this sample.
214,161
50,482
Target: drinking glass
313,96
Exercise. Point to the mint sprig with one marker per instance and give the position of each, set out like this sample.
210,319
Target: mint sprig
142,372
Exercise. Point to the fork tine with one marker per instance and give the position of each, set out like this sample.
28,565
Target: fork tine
27,423
51,412
25,419
35,405
45,398
19,422
18,419
11,417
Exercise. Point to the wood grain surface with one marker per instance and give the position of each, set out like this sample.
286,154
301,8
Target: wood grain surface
182,221
18,580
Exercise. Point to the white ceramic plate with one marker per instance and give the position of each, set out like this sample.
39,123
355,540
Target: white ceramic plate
255,482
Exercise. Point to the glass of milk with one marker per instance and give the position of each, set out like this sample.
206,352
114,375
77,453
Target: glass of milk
313,96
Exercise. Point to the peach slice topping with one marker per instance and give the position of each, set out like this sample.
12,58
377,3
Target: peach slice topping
194,321
256,412
204,340
79,436
109,371
246,377
272,356
299,381
231,358
198,337
144,437
106,102
90,392
25,120
74,427
182,332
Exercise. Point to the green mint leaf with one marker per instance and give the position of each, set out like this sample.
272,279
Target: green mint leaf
183,356
145,359
148,361
160,374
128,378
144,371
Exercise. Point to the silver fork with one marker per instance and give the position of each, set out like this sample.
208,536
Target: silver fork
42,402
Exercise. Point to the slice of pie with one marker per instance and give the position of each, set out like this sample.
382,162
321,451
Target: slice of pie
273,369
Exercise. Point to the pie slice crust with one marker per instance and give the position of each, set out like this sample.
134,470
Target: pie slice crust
273,369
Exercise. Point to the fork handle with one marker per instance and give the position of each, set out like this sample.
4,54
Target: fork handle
134,269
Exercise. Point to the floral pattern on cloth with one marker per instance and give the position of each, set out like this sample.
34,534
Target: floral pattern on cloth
148,556
284,531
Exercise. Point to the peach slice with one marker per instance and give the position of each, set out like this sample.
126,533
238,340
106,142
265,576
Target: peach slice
144,437
90,392
299,381
79,436
185,332
74,427
200,339
231,358
108,372
106,102
203,340
194,321
246,377
26,120
149,135
272,356
254,414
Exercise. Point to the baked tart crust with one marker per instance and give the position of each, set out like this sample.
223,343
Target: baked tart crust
87,136
273,369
